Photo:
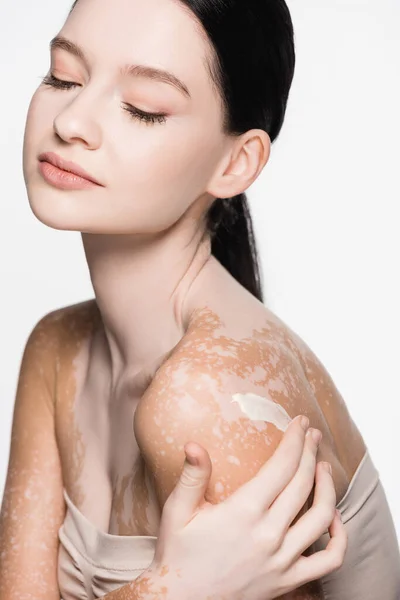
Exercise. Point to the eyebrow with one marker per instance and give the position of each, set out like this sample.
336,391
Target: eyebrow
130,70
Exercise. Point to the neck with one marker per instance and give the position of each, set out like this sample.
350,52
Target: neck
142,288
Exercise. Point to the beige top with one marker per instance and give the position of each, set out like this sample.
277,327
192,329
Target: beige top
92,563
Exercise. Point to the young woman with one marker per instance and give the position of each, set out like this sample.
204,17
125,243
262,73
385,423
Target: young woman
153,120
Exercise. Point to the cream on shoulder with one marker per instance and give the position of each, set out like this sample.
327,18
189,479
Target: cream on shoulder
259,408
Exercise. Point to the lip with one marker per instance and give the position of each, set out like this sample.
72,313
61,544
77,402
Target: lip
66,165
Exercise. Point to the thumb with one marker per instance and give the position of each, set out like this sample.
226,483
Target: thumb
188,494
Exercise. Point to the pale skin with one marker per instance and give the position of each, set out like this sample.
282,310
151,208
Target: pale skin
91,411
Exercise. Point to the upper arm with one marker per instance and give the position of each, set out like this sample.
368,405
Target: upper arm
33,507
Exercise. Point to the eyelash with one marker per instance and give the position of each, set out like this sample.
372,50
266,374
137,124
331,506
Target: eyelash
135,113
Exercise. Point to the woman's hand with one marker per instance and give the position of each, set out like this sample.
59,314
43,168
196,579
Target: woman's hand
247,546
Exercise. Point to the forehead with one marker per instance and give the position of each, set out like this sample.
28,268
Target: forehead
160,33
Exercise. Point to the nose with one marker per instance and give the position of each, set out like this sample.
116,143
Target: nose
77,122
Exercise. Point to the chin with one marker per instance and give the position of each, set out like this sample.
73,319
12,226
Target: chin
65,215
52,211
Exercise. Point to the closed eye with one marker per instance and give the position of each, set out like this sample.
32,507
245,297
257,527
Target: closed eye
132,110
144,116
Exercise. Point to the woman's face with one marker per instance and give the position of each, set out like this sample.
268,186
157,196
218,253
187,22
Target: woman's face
151,173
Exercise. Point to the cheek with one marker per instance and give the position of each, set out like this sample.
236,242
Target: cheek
38,117
29,138
160,184
152,200
37,126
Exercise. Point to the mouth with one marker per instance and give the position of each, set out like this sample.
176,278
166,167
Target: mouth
67,166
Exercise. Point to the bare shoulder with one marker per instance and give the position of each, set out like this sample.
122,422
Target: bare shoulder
236,363
295,376
247,353
221,356
70,318
60,321
52,334
56,327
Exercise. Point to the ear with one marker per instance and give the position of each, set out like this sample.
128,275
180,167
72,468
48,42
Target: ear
244,161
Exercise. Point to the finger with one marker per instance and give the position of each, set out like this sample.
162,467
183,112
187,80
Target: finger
291,500
316,520
324,561
188,493
275,474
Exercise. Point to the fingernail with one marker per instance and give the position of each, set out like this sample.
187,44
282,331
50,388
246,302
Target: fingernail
316,435
328,467
304,422
339,514
192,460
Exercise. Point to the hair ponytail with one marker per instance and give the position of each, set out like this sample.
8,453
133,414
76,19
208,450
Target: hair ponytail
233,242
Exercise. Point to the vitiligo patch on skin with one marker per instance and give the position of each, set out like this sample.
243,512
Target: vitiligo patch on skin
259,408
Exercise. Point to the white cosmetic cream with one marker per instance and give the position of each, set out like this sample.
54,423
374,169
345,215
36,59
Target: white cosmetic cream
258,408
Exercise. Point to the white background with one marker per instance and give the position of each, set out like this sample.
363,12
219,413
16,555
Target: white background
325,209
